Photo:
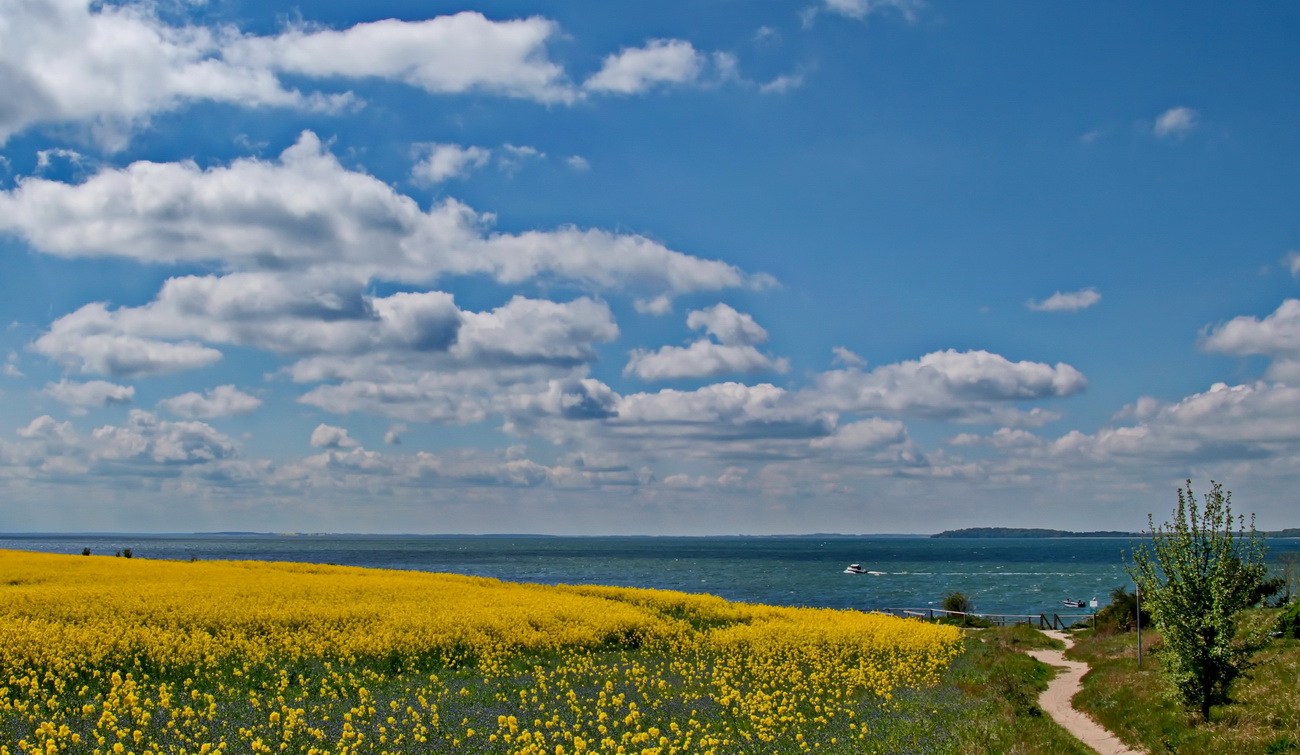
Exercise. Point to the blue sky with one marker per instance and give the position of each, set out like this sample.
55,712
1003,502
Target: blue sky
681,267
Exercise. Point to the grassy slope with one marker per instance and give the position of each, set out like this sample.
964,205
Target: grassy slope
1136,705
1002,685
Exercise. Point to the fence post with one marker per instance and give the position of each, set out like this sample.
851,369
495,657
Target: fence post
1137,594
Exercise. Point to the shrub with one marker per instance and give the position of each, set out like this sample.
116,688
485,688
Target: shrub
1122,613
1273,587
1288,622
957,601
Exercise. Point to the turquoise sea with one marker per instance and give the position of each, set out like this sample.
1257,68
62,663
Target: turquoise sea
1009,576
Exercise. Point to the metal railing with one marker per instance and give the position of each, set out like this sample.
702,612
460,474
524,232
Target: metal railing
1042,620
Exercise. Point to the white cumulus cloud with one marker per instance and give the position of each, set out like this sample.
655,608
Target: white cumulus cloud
329,436
635,69
1248,423
393,436
293,315
952,385
721,410
92,393
847,358
1176,122
868,433
113,65
306,211
447,54
733,351
141,450
727,325
1292,261
863,8
1276,336
146,437
222,401
700,359
446,161
781,84
88,341
1071,301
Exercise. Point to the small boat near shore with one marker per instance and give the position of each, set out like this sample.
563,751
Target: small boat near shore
1074,603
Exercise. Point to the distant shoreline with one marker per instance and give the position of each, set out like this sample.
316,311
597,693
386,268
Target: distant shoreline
968,533
1028,532
976,533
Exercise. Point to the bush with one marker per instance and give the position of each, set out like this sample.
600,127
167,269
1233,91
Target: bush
1270,588
957,601
1122,613
1288,622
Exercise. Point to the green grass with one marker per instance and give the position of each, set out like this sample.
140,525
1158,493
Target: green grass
1137,704
1000,685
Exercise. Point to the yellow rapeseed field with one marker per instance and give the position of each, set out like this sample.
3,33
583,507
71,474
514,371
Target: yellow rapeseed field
112,655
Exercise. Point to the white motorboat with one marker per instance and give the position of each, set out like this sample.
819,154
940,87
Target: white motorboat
857,569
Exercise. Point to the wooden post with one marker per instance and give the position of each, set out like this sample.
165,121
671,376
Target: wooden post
1137,594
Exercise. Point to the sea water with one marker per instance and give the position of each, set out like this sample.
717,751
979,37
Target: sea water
1024,576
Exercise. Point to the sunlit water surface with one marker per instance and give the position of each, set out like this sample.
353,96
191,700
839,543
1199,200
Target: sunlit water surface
1007,576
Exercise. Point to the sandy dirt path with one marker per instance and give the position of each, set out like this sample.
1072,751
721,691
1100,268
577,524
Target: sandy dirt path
1056,700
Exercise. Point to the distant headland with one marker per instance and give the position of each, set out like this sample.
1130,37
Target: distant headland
984,532
988,532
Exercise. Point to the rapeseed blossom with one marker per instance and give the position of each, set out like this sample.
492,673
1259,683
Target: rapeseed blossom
103,655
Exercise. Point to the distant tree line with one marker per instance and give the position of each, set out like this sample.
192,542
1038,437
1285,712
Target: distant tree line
980,532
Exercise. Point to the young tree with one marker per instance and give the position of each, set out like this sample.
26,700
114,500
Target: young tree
1195,576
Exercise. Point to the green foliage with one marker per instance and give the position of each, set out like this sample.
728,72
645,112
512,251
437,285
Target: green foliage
1195,576
1122,613
1024,637
957,601
1288,622
962,607
1000,686
1133,701
1269,588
